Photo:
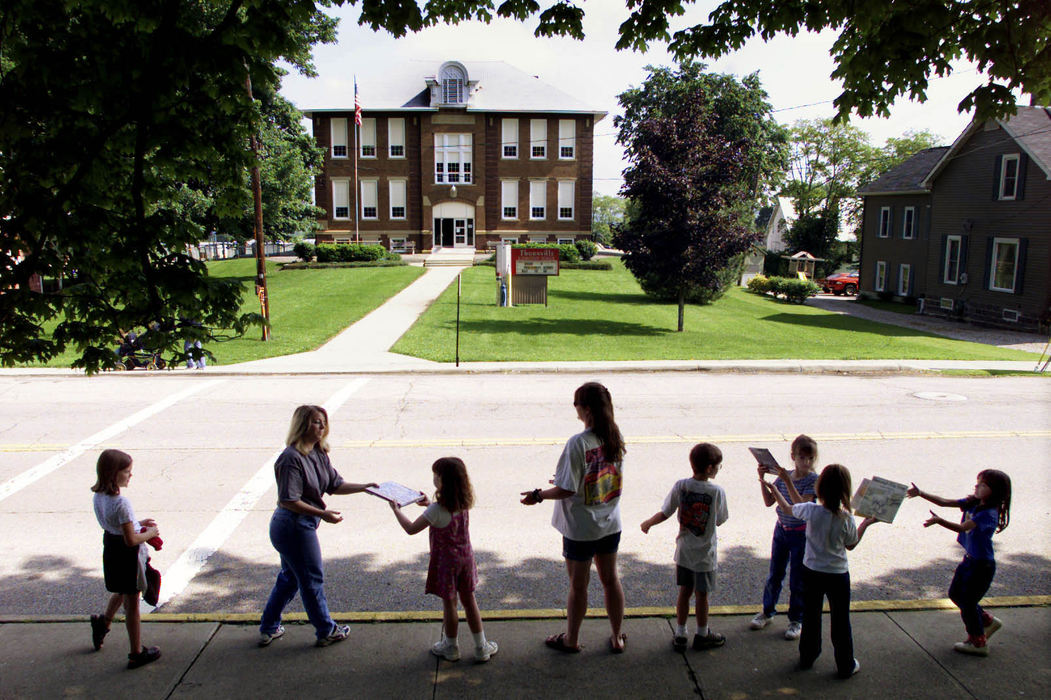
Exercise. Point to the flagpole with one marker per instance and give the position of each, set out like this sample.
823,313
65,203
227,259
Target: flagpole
357,147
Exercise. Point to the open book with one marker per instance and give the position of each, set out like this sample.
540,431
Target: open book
765,459
396,493
879,498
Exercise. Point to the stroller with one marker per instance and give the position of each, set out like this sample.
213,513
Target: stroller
132,355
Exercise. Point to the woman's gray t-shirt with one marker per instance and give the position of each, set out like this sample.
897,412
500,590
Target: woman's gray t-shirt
305,477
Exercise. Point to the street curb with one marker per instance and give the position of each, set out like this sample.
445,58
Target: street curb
1030,601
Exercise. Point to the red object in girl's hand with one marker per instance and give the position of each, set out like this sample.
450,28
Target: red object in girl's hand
155,542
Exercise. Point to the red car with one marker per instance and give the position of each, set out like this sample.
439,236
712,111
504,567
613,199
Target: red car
841,283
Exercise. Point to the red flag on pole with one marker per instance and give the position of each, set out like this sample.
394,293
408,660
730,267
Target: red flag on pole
357,104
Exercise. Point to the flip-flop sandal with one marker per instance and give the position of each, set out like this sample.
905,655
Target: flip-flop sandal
558,643
623,644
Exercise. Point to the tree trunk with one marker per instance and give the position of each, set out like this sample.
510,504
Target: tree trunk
682,306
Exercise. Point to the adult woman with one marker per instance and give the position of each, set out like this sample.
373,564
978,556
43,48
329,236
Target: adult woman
304,473
587,487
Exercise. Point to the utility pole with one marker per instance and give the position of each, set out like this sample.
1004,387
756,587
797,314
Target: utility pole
260,253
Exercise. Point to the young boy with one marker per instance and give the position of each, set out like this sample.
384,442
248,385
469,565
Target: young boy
702,507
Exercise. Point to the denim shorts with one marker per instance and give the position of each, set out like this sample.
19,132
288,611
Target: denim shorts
579,550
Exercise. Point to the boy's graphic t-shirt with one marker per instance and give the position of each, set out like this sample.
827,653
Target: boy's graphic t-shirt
701,507
593,511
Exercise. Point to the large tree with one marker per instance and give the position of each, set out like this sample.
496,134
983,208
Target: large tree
607,212
701,148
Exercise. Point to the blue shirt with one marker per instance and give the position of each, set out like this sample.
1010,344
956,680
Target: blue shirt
978,541
805,487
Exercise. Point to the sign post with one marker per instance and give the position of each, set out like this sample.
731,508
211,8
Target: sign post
530,268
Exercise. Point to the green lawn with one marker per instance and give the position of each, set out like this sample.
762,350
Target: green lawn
307,307
605,316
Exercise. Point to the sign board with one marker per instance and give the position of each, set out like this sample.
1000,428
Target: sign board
534,261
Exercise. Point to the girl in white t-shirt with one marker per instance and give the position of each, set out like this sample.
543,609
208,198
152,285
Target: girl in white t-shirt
123,554
452,572
830,532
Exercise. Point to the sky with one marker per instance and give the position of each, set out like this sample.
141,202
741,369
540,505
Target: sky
794,71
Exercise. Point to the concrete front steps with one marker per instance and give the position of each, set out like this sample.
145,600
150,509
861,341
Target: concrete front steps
450,257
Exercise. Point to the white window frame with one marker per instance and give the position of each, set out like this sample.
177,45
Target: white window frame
908,223
510,240
370,199
566,197
340,186
396,137
997,243
509,200
904,279
368,137
567,139
563,240
881,276
884,223
1009,158
538,238
509,139
398,190
952,261
538,139
453,149
339,137
537,200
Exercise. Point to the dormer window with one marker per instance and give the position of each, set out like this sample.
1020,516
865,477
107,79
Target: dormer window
453,84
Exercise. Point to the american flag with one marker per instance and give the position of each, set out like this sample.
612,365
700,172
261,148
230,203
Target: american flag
357,104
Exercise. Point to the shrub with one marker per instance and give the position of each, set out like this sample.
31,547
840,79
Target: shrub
304,251
325,265
797,291
585,248
760,284
352,252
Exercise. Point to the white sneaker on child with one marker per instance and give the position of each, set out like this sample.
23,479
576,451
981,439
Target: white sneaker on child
794,630
483,652
759,621
994,624
446,649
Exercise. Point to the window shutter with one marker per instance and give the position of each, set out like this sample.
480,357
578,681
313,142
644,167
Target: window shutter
941,265
1023,243
963,253
987,280
999,163
1023,159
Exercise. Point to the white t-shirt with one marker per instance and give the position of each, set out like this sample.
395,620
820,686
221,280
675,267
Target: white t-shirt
593,511
437,515
827,537
701,506
112,512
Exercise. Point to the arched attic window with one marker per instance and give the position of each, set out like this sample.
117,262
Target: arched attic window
454,84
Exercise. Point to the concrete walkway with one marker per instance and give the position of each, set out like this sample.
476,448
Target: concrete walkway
904,652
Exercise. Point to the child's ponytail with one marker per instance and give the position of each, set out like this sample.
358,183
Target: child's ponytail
595,397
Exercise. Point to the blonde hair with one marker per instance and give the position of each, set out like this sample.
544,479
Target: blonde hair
110,462
300,426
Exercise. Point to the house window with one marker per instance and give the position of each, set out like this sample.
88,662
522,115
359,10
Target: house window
540,238
341,199
567,139
396,137
537,200
908,224
452,158
1004,265
339,137
565,241
953,247
369,206
1009,176
509,240
397,199
881,276
509,199
904,279
453,80
565,200
509,137
538,138
884,222
368,138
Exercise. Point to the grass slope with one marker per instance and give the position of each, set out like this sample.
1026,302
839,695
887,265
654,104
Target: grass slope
605,316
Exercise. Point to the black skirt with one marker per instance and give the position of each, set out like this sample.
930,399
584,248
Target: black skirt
120,564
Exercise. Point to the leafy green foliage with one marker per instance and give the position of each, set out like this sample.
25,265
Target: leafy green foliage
352,252
586,249
304,251
607,212
793,289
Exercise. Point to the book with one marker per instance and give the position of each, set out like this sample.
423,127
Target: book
879,498
396,493
765,459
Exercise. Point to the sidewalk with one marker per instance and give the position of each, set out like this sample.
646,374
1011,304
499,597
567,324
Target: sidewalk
903,653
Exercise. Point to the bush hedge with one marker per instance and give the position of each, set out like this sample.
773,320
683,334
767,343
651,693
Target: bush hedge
360,263
304,251
586,248
352,252
793,289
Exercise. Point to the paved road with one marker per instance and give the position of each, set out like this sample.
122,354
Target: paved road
203,447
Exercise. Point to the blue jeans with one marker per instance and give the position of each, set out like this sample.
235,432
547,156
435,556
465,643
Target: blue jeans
294,536
787,547
817,585
970,582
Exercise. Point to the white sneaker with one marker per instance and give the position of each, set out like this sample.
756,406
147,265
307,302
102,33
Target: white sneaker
994,624
968,647
446,649
265,639
482,653
794,630
759,621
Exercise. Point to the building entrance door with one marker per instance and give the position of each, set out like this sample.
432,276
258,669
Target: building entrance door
454,233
